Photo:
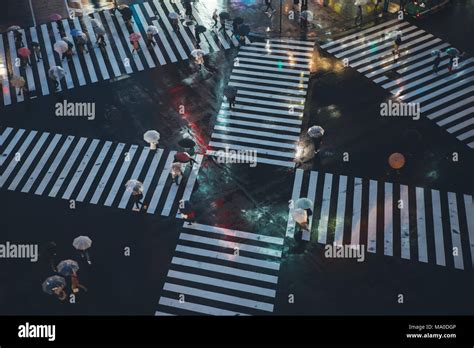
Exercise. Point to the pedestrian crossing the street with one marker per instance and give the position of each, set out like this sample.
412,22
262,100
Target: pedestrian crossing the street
91,170
412,223
271,80
446,97
220,271
116,59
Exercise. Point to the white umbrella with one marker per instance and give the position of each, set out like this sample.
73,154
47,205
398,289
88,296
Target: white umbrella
152,137
173,15
82,243
56,72
300,216
197,53
316,131
60,46
152,30
361,2
304,203
134,186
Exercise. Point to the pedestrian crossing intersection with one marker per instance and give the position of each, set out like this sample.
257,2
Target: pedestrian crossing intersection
411,223
220,271
91,170
445,97
116,59
271,79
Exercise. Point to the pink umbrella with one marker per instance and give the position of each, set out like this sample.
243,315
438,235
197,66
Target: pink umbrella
24,52
135,37
55,17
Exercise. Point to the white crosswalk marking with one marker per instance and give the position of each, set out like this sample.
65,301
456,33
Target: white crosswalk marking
445,96
88,170
210,268
269,104
416,239
99,64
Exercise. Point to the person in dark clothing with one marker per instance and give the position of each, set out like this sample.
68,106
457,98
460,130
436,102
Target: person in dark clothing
197,35
402,5
137,200
36,50
222,24
18,39
269,5
436,62
48,254
231,102
358,19
189,8
215,18
396,46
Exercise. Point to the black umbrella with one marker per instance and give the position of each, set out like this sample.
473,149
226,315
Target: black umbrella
230,91
238,20
186,143
244,30
126,13
224,15
200,29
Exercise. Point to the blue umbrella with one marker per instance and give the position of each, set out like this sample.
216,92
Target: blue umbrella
67,267
52,283
76,32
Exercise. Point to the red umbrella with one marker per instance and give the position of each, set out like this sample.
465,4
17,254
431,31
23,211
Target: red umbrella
183,157
24,52
135,37
55,17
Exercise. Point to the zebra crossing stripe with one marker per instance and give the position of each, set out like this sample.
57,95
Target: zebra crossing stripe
404,223
11,145
323,222
455,231
161,183
278,69
260,151
451,108
47,153
258,125
97,52
14,62
438,228
156,49
80,169
62,177
171,32
158,313
121,175
108,171
421,225
388,220
224,269
469,209
192,178
227,113
194,307
372,221
215,296
256,48
28,162
52,169
228,257
221,283
340,212
14,161
4,74
5,135
95,169
49,51
118,44
257,133
151,171
253,141
356,211
136,173
313,181
40,65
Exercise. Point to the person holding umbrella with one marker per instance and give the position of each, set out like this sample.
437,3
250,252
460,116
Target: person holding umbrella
189,8
301,218
230,93
62,48
17,34
454,55
55,285
55,74
223,17
127,15
187,212
19,83
83,243
135,187
316,134
151,31
134,38
183,157
152,137
36,50
24,54
176,172
75,284
188,144
243,31
198,30
437,60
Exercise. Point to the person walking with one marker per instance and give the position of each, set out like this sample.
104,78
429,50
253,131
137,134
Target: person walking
188,8
231,100
269,6
358,19
396,46
197,35
150,41
137,196
175,24
18,36
81,44
222,20
215,18
75,284
436,61
176,172
187,212
135,45
36,50
24,61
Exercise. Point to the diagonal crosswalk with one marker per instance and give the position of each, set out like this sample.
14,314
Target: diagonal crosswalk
390,219
116,58
220,271
445,97
91,170
271,79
